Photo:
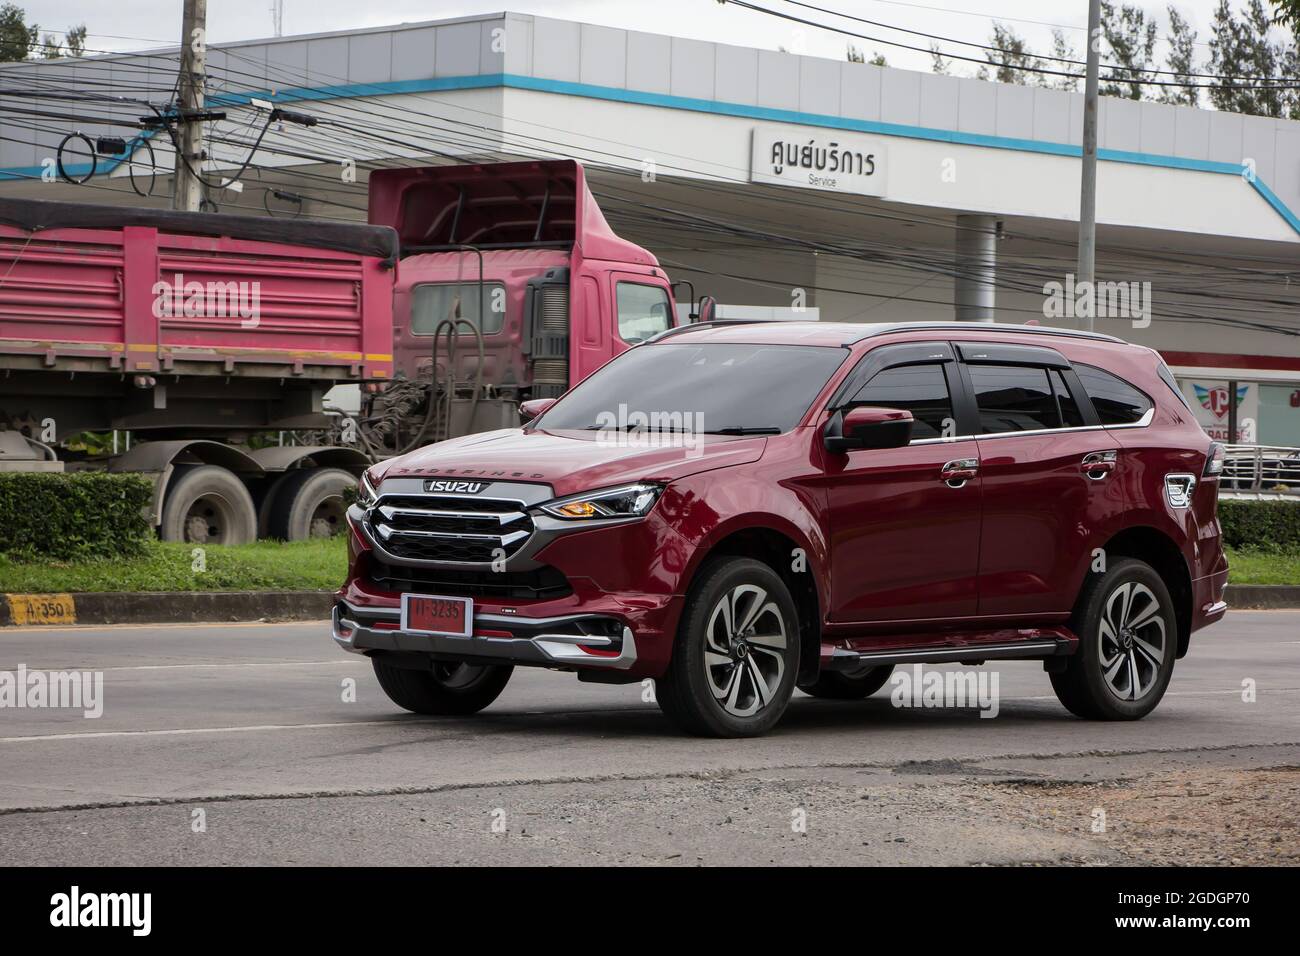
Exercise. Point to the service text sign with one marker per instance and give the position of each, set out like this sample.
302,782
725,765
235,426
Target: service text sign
837,162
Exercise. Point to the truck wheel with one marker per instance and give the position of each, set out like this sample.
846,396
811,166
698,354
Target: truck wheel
206,504
448,689
849,685
1128,637
736,655
308,504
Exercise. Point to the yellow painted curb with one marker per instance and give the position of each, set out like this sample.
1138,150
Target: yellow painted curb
26,609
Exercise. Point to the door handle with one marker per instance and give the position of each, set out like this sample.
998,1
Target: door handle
959,471
1098,464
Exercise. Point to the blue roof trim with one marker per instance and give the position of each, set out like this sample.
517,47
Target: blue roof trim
671,101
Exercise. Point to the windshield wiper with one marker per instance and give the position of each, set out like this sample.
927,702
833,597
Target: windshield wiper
639,429
744,430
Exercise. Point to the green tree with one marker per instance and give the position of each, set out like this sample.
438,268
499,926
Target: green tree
1181,60
16,37
1249,63
1132,41
75,40
938,63
1287,13
1012,60
1063,50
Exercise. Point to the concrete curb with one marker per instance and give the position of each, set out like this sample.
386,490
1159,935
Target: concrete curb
164,607
1262,596
192,607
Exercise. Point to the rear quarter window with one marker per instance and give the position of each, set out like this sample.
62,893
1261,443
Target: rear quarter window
1116,401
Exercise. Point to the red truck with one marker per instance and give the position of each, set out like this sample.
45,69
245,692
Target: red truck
201,340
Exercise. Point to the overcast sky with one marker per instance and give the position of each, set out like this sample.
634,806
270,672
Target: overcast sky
137,24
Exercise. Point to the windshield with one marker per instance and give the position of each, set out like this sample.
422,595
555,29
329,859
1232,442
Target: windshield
709,388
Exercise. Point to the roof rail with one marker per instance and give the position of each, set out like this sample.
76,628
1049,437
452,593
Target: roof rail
885,329
691,326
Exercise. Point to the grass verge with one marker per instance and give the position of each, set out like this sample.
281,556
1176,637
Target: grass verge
263,566
321,565
1263,567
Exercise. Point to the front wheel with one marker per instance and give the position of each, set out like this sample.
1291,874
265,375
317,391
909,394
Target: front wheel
445,689
1128,637
736,655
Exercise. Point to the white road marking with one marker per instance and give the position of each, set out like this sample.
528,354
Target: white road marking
407,722
172,667
74,629
177,732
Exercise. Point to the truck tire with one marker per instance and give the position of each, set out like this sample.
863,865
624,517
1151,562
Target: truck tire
837,685
1128,638
207,504
447,689
308,504
736,655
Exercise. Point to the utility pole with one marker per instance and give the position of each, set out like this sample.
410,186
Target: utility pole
1088,186
188,194
277,16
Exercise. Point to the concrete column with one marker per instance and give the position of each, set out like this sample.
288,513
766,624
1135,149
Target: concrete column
976,259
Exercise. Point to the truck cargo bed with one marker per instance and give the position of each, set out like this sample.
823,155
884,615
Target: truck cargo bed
86,288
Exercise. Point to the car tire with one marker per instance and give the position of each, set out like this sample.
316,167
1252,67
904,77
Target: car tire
447,689
1128,638
736,655
207,504
308,504
838,685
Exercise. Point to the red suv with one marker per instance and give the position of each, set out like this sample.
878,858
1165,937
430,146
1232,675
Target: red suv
735,510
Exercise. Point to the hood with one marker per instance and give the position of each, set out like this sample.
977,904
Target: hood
570,462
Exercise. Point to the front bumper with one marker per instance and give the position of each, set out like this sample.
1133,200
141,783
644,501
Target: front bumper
570,641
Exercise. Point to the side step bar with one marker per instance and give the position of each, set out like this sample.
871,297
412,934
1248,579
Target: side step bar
844,659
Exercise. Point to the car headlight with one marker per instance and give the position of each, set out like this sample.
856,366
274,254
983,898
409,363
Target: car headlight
629,501
366,493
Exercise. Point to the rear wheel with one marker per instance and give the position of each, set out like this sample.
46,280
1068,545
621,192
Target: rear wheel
448,688
206,504
849,685
308,504
1128,638
736,655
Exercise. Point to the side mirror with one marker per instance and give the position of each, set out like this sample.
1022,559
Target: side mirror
708,309
531,409
865,427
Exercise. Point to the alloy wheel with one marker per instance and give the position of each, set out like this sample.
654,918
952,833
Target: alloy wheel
1133,641
745,647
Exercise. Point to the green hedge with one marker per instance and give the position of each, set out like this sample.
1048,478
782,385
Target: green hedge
1260,525
73,515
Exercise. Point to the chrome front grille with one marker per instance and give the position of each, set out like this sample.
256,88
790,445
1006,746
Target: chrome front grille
450,529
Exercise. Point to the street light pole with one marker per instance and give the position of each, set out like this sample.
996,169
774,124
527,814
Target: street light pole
1088,184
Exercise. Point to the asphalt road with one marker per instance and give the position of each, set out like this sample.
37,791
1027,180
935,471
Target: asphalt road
235,744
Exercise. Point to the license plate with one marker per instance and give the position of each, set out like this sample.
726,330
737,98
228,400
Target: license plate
430,614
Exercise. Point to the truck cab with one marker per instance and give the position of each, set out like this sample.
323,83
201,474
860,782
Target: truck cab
511,286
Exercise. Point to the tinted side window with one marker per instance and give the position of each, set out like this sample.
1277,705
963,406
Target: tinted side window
1117,402
1071,417
919,389
1013,398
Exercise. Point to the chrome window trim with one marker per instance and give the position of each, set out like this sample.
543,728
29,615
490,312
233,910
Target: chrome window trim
1143,422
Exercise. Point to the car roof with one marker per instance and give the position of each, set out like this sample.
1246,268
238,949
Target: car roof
845,334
